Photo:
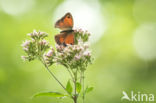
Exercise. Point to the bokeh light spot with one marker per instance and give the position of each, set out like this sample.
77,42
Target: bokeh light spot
16,7
87,15
145,41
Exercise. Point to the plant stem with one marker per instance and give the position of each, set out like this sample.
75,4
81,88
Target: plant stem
75,80
83,86
81,77
75,100
70,74
42,60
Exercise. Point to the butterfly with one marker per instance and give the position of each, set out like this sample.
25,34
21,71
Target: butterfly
66,36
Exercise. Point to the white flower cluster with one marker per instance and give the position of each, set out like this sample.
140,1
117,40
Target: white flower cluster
37,35
36,46
76,56
81,35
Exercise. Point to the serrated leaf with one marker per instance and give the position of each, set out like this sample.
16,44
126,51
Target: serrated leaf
52,94
78,87
89,89
69,87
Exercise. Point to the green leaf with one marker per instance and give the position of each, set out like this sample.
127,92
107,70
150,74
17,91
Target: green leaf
69,87
78,87
88,89
52,94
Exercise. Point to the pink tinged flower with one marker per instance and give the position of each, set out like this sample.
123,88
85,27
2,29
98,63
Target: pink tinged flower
66,50
26,43
78,47
80,41
59,47
52,49
61,54
50,53
29,34
77,57
33,40
44,42
86,46
87,53
74,48
41,33
35,32
25,49
81,48
80,31
23,57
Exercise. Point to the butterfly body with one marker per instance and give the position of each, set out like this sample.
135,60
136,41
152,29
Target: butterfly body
66,36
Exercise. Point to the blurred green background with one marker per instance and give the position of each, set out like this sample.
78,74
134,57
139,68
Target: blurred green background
124,53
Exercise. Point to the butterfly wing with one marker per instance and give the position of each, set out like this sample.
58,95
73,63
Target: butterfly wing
65,23
59,38
65,38
69,39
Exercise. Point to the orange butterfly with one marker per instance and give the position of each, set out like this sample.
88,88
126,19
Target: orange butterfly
66,36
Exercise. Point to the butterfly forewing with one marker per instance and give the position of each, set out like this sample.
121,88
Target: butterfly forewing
65,23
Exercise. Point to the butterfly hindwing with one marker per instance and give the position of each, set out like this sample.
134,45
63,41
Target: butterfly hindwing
64,38
69,39
59,38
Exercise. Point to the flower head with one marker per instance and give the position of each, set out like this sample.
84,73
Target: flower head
36,46
75,56
43,42
37,35
50,52
87,53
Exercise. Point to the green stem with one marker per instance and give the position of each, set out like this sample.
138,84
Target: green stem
70,74
42,60
81,77
83,86
75,80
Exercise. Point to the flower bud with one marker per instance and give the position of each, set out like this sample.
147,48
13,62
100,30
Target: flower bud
35,33
50,53
25,49
44,42
29,34
77,57
24,58
41,34
26,43
59,47
86,46
66,50
87,53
